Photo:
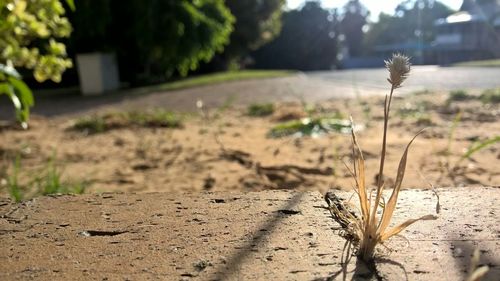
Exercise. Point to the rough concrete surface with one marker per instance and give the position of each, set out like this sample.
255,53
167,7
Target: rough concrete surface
272,235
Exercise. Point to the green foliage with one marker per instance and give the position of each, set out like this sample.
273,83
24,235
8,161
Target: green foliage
490,96
155,118
413,110
257,23
91,124
28,39
478,146
414,19
260,109
48,180
18,92
91,21
154,39
12,181
310,127
308,41
354,18
152,119
459,95
28,33
220,77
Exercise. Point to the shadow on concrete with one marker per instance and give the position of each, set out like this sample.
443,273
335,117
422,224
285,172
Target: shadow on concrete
238,258
390,262
345,260
463,259
362,270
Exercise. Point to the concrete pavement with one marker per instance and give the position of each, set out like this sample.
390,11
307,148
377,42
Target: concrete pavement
272,235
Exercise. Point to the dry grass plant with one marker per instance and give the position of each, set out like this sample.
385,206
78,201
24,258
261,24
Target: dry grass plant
369,230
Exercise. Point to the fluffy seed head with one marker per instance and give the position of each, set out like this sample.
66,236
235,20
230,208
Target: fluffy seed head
399,69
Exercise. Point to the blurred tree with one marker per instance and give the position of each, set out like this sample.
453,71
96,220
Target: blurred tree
308,40
28,33
91,22
257,23
28,39
413,20
153,39
353,19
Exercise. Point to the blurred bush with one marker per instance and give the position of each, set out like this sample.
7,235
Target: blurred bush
29,34
153,39
308,40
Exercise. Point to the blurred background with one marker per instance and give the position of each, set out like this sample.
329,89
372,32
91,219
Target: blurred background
183,95
157,41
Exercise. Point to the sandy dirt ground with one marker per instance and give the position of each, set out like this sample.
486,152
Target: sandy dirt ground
224,149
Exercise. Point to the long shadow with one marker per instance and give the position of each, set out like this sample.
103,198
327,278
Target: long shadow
362,270
345,260
391,262
238,258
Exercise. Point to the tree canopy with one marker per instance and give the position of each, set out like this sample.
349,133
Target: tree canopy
413,20
353,19
154,39
30,34
257,23
308,40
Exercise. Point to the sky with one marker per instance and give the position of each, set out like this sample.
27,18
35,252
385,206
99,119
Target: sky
375,6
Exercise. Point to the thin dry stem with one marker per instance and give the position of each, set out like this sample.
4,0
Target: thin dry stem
380,181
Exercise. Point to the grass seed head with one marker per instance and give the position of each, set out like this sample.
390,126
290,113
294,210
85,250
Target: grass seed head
399,68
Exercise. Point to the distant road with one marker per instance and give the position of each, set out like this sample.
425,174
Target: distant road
309,86
422,77
324,85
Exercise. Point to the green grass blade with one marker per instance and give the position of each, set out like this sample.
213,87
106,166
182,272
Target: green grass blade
71,4
478,146
13,183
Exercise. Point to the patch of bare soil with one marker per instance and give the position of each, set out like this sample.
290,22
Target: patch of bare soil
227,150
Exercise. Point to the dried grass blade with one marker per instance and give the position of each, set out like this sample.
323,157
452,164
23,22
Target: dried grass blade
391,204
397,229
361,179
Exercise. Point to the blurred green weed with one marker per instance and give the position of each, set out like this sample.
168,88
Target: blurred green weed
152,119
459,95
310,127
260,109
45,181
490,96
